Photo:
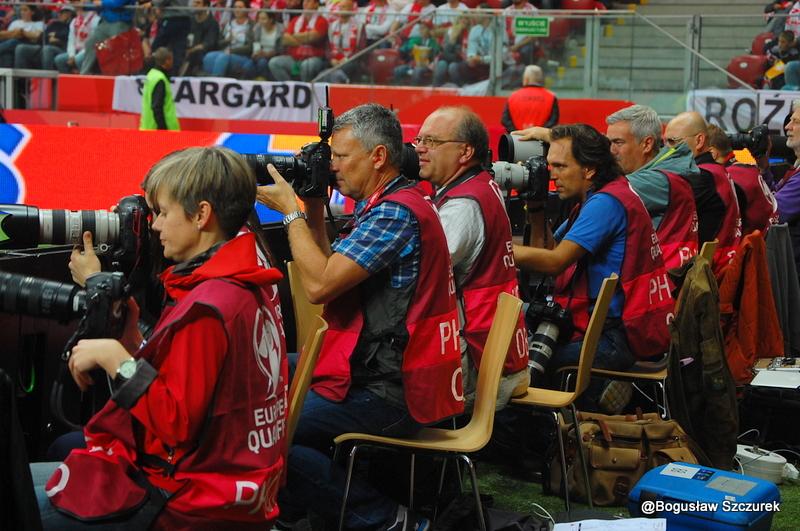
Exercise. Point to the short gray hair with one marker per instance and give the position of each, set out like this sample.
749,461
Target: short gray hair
795,105
374,125
644,121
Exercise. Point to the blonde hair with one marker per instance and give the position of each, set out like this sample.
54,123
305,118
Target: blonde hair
214,174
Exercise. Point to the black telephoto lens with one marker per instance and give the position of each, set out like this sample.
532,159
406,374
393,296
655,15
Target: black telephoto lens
40,298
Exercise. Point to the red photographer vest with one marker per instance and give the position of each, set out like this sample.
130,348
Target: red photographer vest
431,367
677,237
730,233
762,210
530,106
647,289
234,471
493,273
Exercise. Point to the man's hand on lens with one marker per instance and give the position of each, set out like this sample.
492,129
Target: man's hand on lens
279,196
84,263
533,133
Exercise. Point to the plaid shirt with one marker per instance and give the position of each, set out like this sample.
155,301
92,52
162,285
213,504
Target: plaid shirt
386,236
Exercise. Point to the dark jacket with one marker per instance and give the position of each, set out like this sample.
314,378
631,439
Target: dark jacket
702,395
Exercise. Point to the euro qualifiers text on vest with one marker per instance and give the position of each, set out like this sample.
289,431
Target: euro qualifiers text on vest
234,95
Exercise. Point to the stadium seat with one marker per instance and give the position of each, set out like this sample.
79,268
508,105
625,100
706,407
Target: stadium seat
760,42
382,64
748,68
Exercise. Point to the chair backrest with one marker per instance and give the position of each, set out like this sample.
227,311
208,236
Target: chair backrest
304,312
504,325
708,250
302,374
593,331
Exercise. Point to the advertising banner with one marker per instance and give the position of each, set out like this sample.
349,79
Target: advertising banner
229,99
741,110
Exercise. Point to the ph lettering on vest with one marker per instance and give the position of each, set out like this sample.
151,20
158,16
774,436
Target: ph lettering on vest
454,385
685,254
448,331
659,286
508,258
62,481
267,345
262,498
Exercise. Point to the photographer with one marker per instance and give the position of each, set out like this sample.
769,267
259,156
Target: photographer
609,231
756,203
184,403
478,236
389,363
714,196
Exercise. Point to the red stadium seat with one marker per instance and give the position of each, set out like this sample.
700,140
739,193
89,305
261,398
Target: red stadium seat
559,31
382,63
748,68
760,41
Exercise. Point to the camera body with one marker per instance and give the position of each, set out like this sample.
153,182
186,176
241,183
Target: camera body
531,179
309,172
553,326
756,140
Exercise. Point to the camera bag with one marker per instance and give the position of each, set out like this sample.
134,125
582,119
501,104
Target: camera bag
619,449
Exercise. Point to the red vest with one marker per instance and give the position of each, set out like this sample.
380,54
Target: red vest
762,210
645,284
234,472
678,239
493,273
530,106
431,368
730,233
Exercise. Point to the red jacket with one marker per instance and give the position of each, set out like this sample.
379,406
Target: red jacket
493,273
747,307
530,106
431,365
211,432
730,232
647,289
762,210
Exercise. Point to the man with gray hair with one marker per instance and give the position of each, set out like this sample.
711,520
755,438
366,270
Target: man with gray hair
659,176
787,191
532,105
390,362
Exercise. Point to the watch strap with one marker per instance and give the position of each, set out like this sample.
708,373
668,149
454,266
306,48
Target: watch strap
292,216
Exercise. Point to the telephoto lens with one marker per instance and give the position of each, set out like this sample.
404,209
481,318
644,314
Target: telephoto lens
28,226
36,297
542,345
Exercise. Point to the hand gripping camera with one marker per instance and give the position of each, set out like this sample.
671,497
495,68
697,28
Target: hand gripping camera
309,172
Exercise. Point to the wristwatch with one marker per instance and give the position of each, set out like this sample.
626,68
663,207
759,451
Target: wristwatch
291,216
126,371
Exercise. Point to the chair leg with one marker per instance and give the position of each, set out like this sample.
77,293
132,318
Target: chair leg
564,478
351,459
663,387
441,486
475,492
411,482
584,466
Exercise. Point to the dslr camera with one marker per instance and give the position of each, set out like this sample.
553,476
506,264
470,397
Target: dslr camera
756,140
553,326
121,235
531,179
309,172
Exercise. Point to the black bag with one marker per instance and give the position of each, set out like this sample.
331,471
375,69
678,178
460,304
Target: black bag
767,409
460,515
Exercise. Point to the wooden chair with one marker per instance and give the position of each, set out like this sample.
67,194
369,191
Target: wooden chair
305,313
302,374
555,400
472,437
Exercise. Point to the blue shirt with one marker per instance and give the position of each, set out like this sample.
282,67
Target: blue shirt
387,235
601,230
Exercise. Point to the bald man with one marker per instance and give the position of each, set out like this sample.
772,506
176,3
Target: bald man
717,209
531,105
451,145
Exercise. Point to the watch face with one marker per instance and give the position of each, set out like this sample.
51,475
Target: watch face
127,369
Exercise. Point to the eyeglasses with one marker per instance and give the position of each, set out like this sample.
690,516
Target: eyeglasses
430,142
675,140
